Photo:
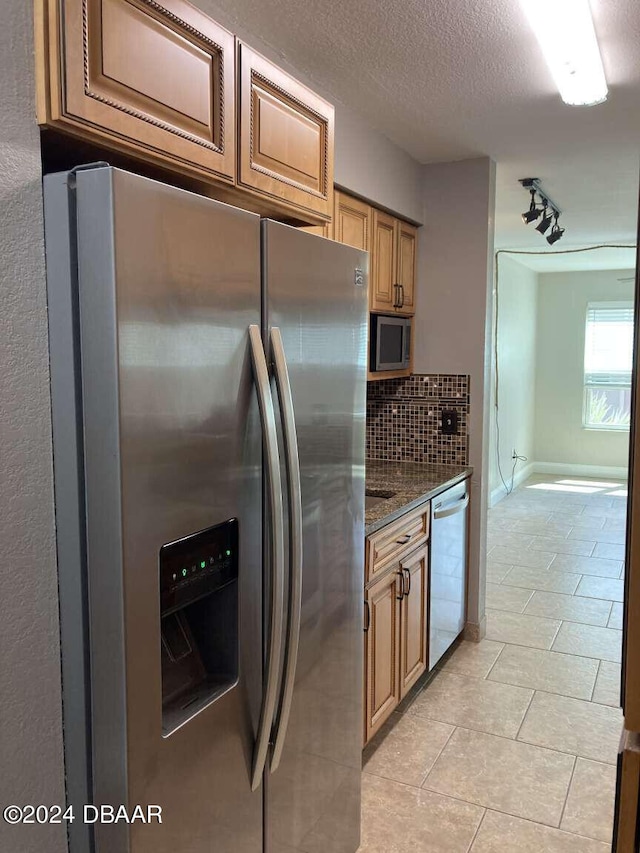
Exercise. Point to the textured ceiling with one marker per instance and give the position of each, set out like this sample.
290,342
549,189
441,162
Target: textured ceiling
452,79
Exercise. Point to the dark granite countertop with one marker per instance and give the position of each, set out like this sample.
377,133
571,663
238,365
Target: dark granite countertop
413,482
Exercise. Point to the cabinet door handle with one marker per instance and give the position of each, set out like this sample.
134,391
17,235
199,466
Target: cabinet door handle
401,289
402,593
408,590
406,538
396,295
367,616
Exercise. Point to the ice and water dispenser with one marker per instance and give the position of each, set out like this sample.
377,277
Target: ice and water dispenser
199,612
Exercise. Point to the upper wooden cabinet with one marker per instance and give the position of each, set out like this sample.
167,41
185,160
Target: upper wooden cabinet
406,239
143,76
160,81
383,285
351,221
393,262
286,137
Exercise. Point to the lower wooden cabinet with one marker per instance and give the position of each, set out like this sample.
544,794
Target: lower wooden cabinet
382,643
413,619
396,638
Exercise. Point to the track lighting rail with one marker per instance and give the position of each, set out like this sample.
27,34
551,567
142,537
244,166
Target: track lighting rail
545,210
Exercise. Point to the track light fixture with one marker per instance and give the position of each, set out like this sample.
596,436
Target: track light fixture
533,212
544,209
556,231
545,222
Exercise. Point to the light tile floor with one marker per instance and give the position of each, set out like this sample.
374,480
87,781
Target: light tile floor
512,744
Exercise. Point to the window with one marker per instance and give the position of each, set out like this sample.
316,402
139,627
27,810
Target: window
608,355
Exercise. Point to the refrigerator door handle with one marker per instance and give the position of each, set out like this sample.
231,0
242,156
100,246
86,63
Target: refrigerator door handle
276,515
295,542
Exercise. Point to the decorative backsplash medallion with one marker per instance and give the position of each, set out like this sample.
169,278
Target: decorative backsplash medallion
404,415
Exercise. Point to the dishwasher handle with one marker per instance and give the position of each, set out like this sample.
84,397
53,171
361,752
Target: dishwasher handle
452,509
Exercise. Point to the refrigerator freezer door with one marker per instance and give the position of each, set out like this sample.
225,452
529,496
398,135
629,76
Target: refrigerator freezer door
168,283
317,297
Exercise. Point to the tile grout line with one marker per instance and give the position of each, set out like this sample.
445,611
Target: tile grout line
566,799
534,822
517,734
519,742
596,681
475,834
551,649
504,646
444,746
494,809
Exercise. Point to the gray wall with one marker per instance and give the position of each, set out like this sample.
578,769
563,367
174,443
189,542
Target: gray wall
31,733
453,322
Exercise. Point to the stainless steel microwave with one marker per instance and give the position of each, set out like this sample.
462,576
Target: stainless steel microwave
389,343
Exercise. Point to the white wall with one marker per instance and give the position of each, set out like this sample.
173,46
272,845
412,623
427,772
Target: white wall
31,714
517,293
562,305
453,321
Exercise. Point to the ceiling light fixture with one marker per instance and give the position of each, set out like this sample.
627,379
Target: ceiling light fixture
533,212
556,231
568,40
547,213
547,218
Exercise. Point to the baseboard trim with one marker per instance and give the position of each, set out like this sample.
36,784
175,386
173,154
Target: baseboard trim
474,631
567,469
570,469
520,476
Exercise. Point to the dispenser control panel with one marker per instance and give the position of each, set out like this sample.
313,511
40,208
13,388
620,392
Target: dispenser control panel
198,565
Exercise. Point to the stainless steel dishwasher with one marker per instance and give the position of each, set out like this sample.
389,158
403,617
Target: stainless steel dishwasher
448,569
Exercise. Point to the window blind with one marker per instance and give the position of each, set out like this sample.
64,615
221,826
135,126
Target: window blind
608,351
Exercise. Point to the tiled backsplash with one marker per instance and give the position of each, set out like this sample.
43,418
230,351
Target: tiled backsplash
404,415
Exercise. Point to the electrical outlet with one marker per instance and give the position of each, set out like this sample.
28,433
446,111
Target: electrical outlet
449,423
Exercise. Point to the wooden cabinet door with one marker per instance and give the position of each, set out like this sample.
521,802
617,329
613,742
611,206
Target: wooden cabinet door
382,648
413,637
286,137
382,293
152,77
406,241
351,221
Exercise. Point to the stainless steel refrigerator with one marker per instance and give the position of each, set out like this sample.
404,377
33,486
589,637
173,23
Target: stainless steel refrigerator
208,398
